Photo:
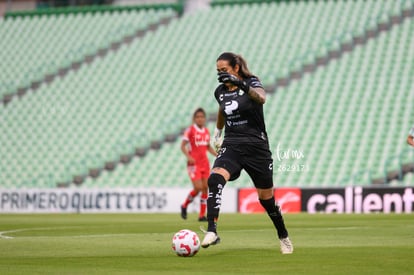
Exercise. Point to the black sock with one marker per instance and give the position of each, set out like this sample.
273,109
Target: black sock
216,183
275,215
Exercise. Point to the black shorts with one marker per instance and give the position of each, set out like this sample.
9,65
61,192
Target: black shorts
255,158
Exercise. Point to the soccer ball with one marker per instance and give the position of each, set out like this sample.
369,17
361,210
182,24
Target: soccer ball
185,243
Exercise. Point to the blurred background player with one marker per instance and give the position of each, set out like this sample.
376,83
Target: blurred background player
241,96
410,138
195,144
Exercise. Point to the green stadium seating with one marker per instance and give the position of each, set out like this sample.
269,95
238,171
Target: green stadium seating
33,47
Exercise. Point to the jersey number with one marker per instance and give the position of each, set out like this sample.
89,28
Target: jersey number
230,107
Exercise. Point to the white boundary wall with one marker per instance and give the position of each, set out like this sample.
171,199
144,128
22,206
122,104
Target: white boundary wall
104,200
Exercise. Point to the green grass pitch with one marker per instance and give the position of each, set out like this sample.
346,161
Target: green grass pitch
141,243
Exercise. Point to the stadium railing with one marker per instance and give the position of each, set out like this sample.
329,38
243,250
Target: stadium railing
397,166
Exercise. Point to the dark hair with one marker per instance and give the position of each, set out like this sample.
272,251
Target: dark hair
235,59
199,110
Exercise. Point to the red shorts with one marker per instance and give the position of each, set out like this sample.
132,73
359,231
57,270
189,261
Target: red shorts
198,172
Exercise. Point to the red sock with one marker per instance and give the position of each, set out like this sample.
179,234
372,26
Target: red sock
203,204
190,198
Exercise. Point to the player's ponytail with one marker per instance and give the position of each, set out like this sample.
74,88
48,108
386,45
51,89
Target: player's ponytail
236,59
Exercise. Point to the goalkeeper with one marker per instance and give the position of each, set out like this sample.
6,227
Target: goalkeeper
241,96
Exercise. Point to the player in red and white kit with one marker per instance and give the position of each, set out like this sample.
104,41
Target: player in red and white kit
195,144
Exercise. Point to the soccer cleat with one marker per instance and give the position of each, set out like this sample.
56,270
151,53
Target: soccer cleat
183,212
202,219
210,238
286,246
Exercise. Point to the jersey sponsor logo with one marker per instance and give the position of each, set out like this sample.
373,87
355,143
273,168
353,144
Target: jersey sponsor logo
201,143
236,123
231,106
241,122
201,140
221,97
233,116
230,94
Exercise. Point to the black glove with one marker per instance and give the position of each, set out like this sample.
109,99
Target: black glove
224,77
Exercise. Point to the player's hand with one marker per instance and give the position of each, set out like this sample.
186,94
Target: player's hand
217,143
224,77
190,160
217,139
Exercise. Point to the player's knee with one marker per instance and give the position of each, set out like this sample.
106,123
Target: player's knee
265,194
224,172
198,186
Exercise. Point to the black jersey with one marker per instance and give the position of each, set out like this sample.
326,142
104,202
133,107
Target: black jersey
244,120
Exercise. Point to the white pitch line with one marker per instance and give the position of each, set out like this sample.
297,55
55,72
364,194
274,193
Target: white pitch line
338,228
4,236
105,235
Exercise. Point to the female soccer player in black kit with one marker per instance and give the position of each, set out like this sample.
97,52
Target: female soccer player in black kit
245,146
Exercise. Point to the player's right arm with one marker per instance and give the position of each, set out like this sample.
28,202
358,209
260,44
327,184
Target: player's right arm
184,149
184,146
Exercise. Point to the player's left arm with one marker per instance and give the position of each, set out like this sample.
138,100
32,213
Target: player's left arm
257,94
255,90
